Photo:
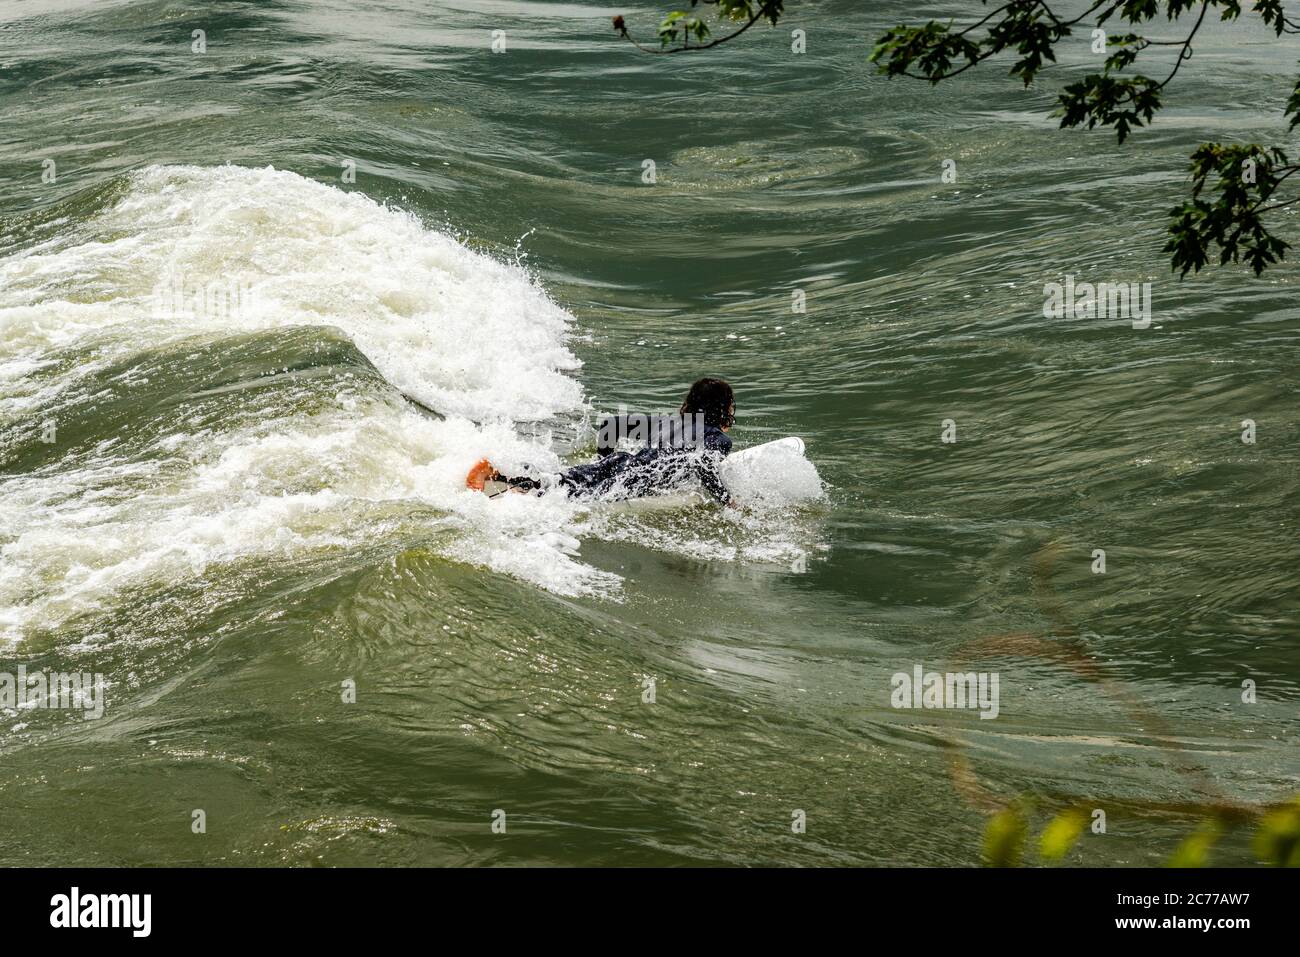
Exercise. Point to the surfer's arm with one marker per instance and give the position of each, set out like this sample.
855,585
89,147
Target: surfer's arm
707,470
717,444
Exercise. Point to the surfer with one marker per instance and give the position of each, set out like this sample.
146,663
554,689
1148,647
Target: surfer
680,449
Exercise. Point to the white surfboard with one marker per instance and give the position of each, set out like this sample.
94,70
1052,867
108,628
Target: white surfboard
757,459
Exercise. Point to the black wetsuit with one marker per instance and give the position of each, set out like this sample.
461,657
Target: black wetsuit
679,451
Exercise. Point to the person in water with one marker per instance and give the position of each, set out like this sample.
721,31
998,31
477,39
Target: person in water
680,449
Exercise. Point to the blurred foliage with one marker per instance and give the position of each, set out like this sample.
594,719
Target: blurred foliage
1005,836
1194,851
1062,833
1276,840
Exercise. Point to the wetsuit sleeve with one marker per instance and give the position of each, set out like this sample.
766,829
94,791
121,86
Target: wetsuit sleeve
707,469
718,443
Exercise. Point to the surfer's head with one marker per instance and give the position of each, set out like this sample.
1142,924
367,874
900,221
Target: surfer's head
713,399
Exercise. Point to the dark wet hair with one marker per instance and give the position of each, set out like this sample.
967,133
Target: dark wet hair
713,399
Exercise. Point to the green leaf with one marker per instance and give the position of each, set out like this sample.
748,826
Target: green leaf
1293,106
1277,841
1004,837
1061,833
1195,849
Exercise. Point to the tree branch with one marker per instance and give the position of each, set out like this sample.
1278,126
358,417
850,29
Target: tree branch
767,8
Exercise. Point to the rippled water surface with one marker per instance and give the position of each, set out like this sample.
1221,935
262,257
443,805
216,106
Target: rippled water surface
241,511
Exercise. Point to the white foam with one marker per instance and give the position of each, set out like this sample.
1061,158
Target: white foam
474,337
457,330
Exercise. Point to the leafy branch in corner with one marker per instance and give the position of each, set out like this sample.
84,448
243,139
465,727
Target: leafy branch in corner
683,25
1233,186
